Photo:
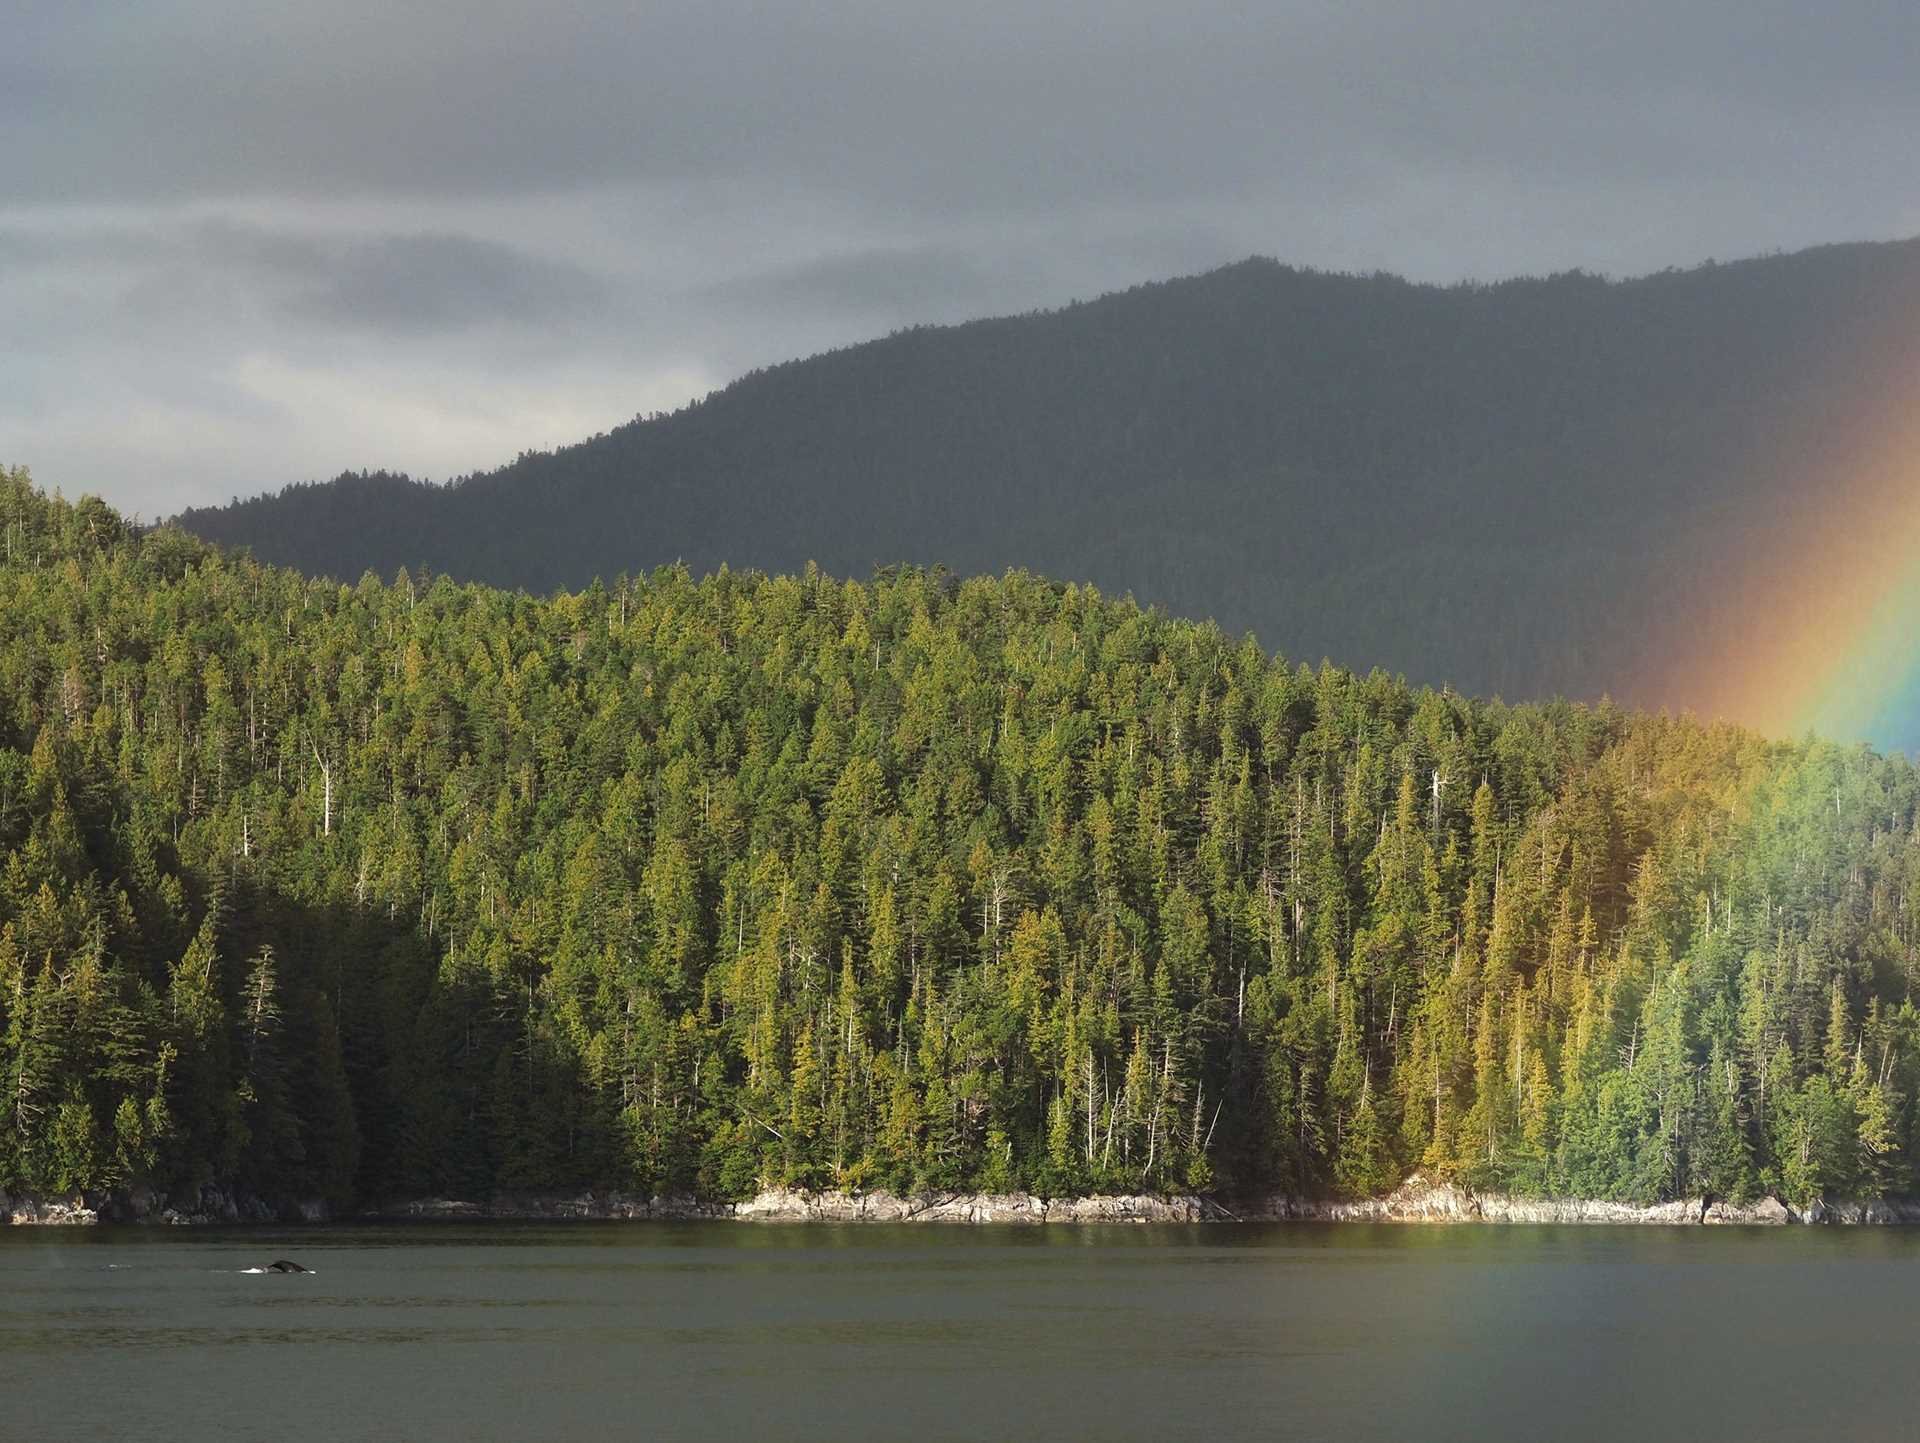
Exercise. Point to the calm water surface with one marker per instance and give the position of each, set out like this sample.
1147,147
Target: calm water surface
695,1330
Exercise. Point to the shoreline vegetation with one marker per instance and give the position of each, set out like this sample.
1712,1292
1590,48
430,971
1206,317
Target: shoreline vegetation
1416,1201
918,888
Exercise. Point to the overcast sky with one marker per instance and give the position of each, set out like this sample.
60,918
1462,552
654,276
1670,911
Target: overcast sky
242,245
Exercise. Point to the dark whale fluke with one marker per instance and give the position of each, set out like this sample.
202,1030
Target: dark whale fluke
283,1266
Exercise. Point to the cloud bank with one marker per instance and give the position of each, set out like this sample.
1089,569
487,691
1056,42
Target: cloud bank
241,246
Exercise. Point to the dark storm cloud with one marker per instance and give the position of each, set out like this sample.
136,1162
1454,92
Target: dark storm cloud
537,211
1011,104
937,278
406,282
392,283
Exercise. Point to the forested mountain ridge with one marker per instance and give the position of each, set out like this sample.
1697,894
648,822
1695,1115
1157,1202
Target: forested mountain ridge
1512,488
421,888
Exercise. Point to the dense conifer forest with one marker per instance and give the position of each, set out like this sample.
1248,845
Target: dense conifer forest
413,887
1507,488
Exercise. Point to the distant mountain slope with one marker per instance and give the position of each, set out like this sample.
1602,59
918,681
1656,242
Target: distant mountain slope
1525,487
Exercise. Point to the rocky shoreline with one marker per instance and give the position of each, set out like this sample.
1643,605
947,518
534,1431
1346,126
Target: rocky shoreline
1415,1201
143,1205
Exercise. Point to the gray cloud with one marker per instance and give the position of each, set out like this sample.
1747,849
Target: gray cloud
936,279
407,283
401,283
998,103
240,247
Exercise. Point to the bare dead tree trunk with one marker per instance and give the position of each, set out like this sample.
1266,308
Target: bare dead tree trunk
326,791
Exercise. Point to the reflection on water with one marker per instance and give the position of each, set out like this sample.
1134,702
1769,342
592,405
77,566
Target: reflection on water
714,1330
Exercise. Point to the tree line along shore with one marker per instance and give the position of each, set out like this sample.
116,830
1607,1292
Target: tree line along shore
920,886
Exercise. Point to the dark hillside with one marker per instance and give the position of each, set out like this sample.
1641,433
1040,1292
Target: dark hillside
1511,488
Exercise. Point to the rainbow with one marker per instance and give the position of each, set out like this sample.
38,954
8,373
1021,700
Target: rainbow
1869,689
1819,627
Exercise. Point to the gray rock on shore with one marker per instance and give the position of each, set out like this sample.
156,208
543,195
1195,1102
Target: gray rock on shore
784,1205
141,1204
1417,1200
31,1212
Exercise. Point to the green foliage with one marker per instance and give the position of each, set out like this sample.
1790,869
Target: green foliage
409,888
